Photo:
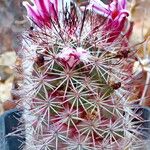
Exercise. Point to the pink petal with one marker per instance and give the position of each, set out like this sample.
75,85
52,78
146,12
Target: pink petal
41,7
122,14
40,4
100,10
122,3
32,13
47,4
99,7
55,3
113,5
128,34
53,12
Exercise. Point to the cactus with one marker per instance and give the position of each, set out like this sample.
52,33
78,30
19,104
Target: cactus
77,77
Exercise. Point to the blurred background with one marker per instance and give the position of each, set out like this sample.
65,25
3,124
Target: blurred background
13,21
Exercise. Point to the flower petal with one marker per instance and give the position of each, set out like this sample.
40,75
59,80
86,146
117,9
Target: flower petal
32,12
41,7
55,3
122,4
99,7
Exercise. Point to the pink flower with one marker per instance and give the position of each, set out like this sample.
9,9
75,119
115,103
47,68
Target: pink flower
115,11
117,17
44,12
72,57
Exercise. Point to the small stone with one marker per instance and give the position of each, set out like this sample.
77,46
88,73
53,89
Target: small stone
8,105
8,59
